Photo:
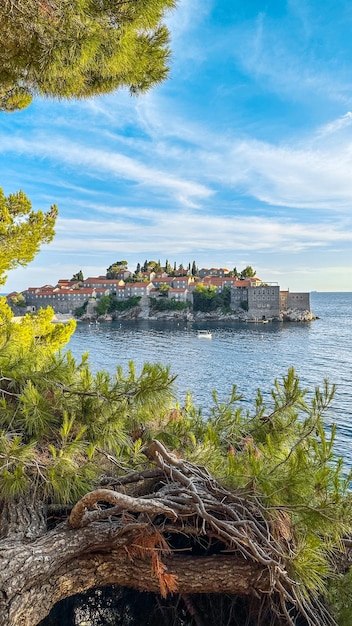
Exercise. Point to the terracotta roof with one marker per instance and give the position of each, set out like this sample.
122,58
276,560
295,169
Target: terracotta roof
65,292
108,281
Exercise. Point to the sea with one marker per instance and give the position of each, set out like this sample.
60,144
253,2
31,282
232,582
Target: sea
248,355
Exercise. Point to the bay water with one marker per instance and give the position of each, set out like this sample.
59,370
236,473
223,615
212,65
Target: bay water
250,355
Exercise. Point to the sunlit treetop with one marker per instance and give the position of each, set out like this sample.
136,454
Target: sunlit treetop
80,48
22,231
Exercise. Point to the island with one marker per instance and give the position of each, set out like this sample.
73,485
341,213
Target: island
156,292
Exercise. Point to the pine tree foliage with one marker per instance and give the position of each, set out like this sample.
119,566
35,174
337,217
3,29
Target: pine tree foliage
58,420
283,456
80,48
22,231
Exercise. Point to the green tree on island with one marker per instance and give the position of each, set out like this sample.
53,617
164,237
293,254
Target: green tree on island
206,298
248,272
78,276
80,48
116,268
247,518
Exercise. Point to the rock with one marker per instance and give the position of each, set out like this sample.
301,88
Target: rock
296,315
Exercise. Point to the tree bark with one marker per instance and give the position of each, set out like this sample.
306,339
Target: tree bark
33,577
22,519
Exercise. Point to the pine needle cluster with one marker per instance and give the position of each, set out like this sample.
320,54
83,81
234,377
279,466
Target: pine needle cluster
58,422
80,48
282,454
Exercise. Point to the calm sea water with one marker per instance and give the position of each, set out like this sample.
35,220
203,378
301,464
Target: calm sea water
248,355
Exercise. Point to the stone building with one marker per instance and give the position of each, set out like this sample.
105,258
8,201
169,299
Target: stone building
264,301
294,301
61,300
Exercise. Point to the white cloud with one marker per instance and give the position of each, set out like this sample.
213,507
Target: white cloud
293,176
109,162
310,172
165,233
182,23
304,173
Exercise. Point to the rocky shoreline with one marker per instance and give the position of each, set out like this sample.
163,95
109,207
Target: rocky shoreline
291,315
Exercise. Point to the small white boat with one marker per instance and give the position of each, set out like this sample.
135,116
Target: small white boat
204,334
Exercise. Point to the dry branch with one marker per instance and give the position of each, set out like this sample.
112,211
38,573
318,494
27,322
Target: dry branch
189,501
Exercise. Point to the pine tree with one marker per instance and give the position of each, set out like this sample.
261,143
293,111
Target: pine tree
80,48
78,277
22,231
116,268
248,272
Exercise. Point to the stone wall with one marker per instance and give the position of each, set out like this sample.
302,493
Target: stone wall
60,303
299,301
264,302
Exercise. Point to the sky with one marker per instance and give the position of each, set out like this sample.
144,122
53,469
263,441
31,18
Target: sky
242,157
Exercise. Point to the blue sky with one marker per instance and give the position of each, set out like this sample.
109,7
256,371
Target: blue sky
243,157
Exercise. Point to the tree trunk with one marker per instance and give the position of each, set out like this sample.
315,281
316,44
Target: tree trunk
33,577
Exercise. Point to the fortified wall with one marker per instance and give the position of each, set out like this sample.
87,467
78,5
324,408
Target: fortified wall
299,301
265,302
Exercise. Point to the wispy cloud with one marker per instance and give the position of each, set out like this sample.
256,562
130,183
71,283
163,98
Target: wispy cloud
167,232
311,172
287,57
108,162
